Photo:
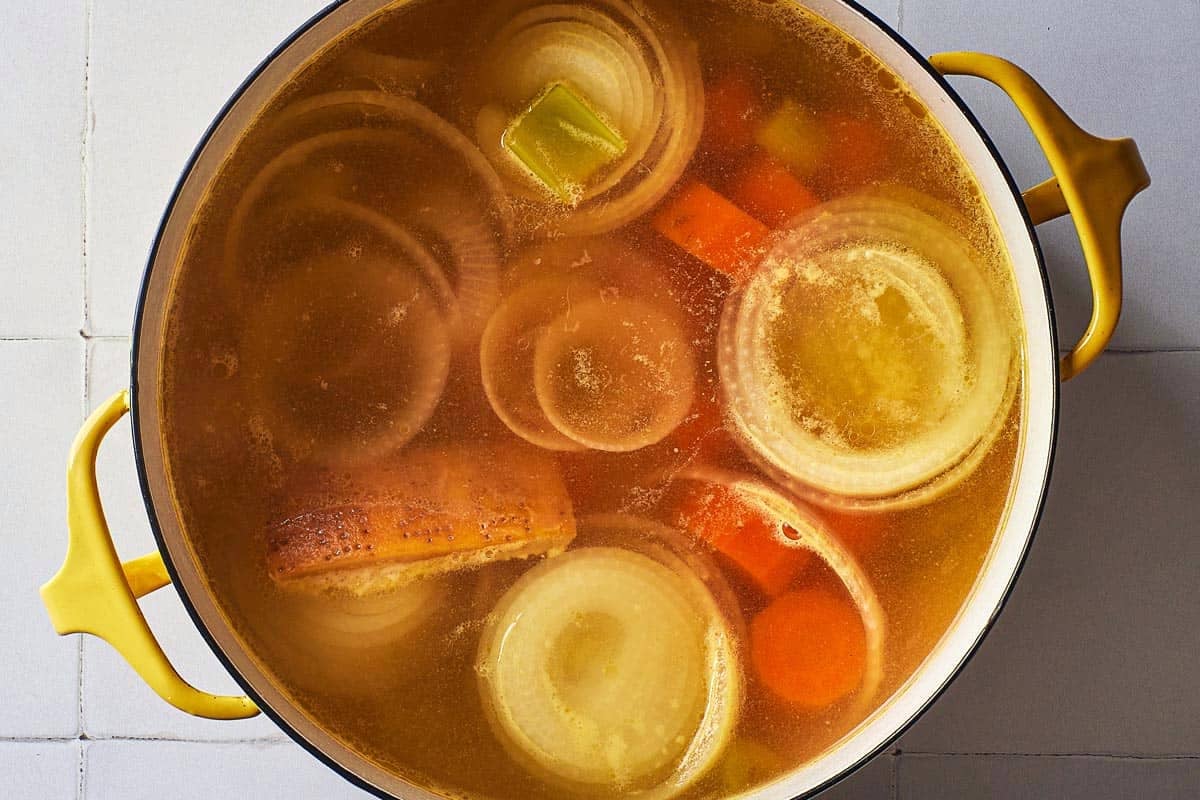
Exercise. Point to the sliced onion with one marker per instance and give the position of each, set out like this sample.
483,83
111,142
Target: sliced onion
506,355
605,668
319,131
470,255
811,534
645,82
621,268
369,106
413,251
294,158
666,544
345,644
614,374
387,73
304,349
924,408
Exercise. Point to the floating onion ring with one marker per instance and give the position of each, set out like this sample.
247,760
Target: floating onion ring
668,545
350,644
609,668
387,73
470,256
867,363
809,533
374,107
413,251
614,375
646,83
620,267
506,355
323,129
305,349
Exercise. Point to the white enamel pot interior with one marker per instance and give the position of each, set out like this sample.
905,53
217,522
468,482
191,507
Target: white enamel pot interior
1040,402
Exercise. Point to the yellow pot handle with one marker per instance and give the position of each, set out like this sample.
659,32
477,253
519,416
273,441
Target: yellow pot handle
95,593
1094,180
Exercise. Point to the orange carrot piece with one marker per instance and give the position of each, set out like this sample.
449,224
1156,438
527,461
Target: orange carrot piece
702,434
745,536
857,150
769,191
809,647
730,113
713,230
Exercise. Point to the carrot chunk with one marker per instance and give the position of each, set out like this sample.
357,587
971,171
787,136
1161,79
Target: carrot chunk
745,536
730,113
702,433
809,647
713,230
769,191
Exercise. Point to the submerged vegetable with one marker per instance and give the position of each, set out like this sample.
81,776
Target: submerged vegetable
797,528
314,348
867,356
614,374
795,136
752,540
388,73
858,152
428,512
327,142
506,356
809,647
606,668
642,80
562,142
730,113
766,190
356,645
713,230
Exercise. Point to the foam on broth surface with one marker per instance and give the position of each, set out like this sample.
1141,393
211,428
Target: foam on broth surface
236,459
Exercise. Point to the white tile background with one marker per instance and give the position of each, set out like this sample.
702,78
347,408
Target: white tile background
1085,689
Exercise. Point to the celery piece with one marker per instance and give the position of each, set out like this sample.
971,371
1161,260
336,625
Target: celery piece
562,142
793,135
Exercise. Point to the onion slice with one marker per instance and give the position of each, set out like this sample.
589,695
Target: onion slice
469,253
868,358
607,668
318,133
304,350
811,534
643,80
386,72
615,374
506,355
346,644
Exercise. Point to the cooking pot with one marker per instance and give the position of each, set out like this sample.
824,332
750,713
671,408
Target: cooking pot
1094,179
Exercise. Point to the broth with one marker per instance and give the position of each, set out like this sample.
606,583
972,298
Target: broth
335,393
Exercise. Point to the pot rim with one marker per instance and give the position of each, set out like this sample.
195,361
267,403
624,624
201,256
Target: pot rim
286,726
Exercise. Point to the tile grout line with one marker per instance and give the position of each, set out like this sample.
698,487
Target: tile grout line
83,737
81,785
85,168
897,755
900,17
87,337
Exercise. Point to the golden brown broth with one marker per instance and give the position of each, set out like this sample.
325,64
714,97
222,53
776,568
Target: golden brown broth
417,711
